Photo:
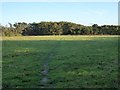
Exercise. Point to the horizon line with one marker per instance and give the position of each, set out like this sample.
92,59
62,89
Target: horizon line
90,24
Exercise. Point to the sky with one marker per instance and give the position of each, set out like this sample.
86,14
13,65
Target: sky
86,13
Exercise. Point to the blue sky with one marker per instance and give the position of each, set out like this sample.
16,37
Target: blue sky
85,13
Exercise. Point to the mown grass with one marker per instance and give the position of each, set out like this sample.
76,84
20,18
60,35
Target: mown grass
22,62
77,62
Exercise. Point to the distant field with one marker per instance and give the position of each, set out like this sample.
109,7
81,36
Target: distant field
60,62
64,37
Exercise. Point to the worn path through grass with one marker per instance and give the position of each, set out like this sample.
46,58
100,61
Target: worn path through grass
44,82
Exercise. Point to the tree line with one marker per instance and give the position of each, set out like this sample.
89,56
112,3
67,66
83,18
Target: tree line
57,28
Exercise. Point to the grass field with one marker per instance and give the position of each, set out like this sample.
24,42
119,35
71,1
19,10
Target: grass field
60,62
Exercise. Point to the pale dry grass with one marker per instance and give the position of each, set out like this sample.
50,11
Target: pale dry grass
62,37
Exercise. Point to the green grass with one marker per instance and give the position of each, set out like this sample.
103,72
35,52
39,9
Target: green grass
74,61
